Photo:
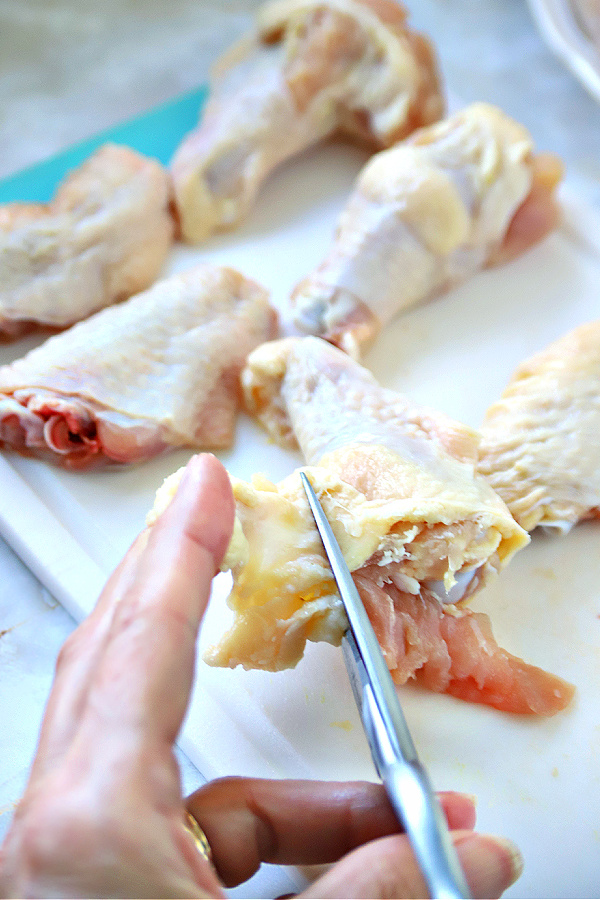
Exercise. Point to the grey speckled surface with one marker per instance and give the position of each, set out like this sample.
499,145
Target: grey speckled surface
69,69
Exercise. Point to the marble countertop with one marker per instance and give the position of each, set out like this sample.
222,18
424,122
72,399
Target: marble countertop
68,70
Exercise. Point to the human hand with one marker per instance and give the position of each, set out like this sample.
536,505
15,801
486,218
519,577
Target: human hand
103,814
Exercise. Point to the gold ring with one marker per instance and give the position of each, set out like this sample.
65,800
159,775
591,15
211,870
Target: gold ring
200,839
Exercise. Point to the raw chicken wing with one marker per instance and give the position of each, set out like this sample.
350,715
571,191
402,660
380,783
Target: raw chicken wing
539,446
427,214
103,237
419,529
159,371
312,68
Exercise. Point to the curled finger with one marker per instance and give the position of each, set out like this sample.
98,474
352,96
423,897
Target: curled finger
249,820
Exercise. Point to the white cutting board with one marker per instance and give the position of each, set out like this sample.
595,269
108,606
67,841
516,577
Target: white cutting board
537,781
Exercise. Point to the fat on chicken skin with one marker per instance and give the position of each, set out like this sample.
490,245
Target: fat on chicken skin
539,447
157,372
103,237
310,69
427,214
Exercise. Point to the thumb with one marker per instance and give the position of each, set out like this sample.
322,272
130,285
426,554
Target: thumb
387,868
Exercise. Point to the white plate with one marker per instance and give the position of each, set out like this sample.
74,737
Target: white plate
538,781
562,31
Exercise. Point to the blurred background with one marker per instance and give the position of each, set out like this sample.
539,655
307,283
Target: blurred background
69,68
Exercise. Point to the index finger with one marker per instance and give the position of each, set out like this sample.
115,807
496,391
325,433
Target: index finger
143,679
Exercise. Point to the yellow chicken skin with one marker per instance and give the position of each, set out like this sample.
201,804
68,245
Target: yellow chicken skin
310,69
539,446
397,481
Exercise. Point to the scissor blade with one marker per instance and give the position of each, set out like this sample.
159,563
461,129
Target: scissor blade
363,634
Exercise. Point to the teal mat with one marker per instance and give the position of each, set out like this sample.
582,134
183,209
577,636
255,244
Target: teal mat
155,133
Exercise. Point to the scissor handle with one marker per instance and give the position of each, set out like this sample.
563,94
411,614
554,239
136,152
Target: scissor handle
409,790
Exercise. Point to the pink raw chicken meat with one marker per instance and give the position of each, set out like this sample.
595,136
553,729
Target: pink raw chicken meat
104,237
311,68
159,371
455,654
419,529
